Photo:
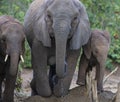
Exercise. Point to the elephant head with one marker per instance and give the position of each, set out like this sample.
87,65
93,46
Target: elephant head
88,48
12,39
66,21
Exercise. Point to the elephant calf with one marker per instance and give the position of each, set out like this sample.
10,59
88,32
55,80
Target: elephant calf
12,39
94,54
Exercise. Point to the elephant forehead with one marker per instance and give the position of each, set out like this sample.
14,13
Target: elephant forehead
62,2
101,50
63,5
99,40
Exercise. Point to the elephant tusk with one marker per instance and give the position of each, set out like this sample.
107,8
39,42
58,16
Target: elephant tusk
22,59
6,57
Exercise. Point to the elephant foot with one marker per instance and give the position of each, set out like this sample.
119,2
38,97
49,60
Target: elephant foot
56,84
41,89
33,93
59,89
100,89
81,82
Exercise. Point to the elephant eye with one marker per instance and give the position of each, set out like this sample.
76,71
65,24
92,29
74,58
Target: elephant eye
75,19
49,16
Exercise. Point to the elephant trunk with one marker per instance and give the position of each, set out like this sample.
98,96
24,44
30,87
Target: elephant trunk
14,60
60,58
61,36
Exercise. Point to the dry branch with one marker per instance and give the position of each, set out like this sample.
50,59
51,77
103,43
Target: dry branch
94,91
105,79
91,88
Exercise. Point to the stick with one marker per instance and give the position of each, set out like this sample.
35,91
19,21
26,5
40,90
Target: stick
105,79
94,91
89,86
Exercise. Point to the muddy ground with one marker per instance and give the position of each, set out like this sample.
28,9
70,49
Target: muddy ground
110,84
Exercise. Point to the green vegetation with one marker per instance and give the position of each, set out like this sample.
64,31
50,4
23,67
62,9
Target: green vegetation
17,9
103,14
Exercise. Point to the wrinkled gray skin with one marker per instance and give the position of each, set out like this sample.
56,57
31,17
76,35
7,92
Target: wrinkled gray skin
94,55
55,30
12,44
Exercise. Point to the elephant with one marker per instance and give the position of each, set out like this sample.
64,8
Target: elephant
55,31
94,54
12,37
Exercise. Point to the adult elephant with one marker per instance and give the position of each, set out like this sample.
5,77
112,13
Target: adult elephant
11,50
55,30
94,55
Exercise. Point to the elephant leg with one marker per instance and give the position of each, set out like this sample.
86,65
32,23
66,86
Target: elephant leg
63,85
8,95
99,76
2,76
83,66
100,68
0,87
32,84
101,56
39,65
52,76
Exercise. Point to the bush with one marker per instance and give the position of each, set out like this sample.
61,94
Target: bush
105,15
17,9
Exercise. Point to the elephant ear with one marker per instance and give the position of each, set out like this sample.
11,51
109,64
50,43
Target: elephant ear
107,36
40,28
82,33
41,32
3,20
